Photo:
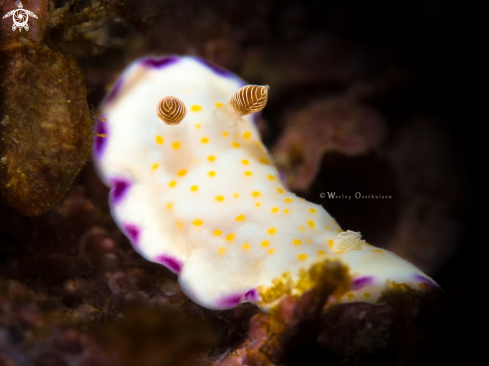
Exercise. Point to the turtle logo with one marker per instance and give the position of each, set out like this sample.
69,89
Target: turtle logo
20,17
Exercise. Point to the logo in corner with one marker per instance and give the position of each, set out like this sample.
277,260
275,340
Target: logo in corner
20,17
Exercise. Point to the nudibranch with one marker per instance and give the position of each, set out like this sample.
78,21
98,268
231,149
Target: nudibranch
194,189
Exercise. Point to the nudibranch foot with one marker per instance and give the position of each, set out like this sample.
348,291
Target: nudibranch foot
203,198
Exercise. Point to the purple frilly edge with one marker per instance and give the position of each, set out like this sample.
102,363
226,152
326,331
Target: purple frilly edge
234,300
170,262
218,70
100,142
119,189
153,62
363,281
360,282
115,90
133,232
158,63
431,284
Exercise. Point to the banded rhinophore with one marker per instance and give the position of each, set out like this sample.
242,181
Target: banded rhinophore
249,99
171,110
203,198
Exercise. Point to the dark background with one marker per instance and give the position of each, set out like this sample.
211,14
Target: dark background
286,44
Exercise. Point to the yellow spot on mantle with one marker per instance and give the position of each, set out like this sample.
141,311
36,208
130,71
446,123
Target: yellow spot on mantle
246,135
212,173
172,183
182,172
236,195
198,125
240,218
230,237
248,173
377,251
211,158
256,194
275,209
320,252
313,210
297,242
219,198
217,232
235,145
302,257
159,140
218,105
280,190
245,246
225,134
176,145
169,206
257,204
265,243
366,295
330,243
194,188
271,251
245,162
271,177
204,140
155,166
287,199
264,161
311,223
271,230
196,108
221,250
286,211
198,222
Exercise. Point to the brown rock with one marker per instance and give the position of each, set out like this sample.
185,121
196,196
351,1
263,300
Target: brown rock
45,126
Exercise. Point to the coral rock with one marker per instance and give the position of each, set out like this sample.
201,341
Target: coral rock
45,127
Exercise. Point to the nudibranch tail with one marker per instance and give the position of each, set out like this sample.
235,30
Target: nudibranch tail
204,199
171,110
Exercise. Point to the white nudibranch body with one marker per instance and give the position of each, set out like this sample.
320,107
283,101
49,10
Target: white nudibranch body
203,198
